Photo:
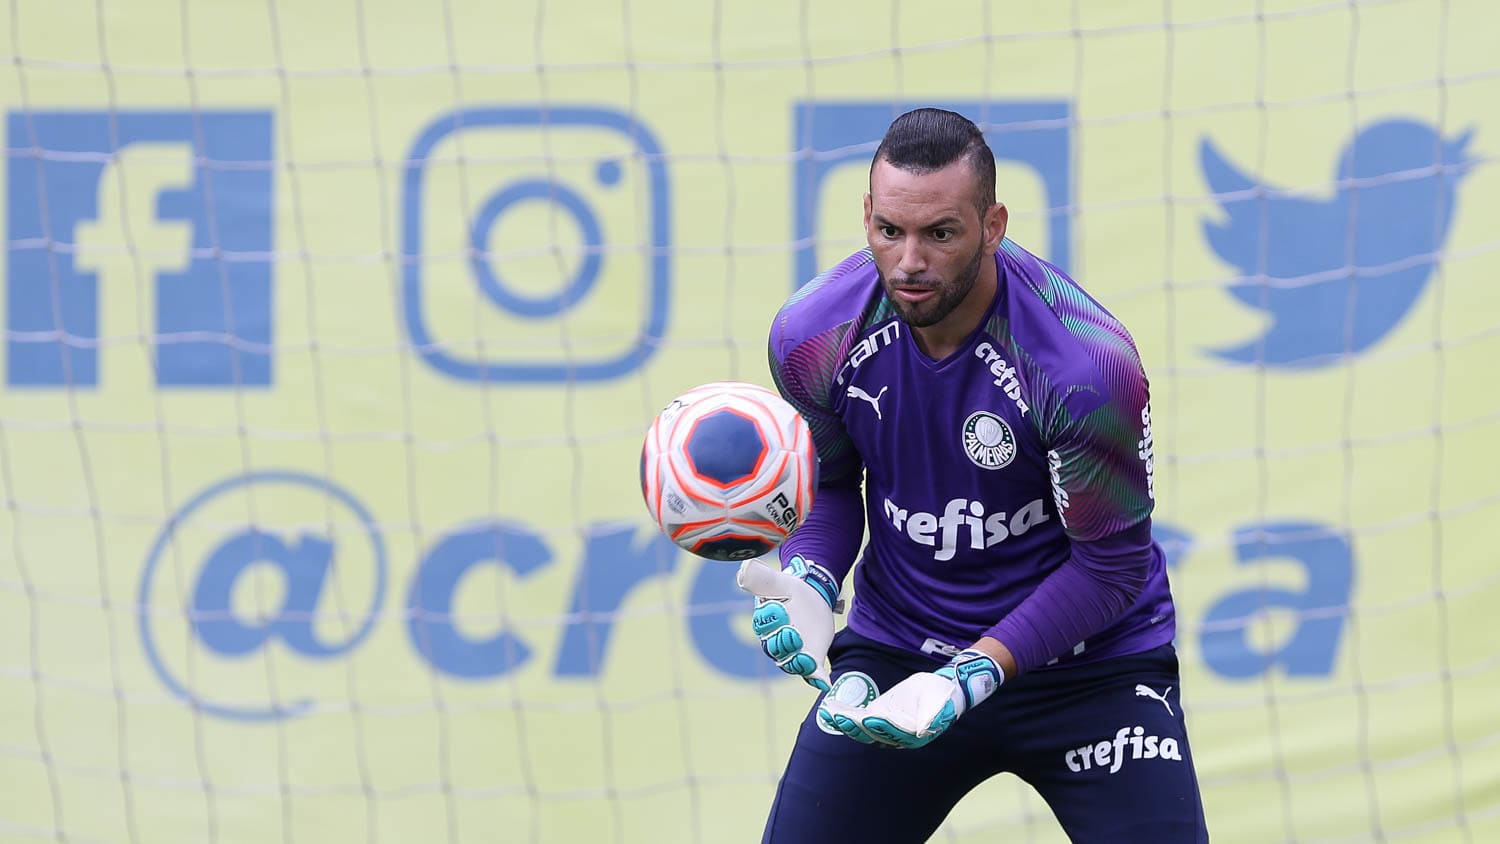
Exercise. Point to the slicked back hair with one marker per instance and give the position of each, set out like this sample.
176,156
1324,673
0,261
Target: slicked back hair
928,139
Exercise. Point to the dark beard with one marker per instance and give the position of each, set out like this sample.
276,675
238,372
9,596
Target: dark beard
949,296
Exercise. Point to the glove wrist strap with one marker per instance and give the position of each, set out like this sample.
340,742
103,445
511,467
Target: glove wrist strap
818,578
976,674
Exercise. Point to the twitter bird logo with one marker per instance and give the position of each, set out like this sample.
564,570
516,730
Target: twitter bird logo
1336,275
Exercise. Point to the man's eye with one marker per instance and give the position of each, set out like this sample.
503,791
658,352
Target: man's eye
942,235
890,231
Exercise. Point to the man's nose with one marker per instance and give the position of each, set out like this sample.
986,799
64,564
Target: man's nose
913,257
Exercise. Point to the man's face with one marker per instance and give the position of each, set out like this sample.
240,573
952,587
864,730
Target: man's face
928,238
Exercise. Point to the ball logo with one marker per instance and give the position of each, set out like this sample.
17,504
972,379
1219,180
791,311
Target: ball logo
783,512
988,440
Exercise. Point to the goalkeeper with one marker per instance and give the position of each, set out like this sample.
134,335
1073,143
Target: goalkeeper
1011,610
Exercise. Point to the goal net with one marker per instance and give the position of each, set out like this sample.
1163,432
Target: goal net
332,331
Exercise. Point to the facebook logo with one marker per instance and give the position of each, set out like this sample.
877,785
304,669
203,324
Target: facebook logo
835,141
169,209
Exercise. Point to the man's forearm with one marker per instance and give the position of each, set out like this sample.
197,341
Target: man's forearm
1092,588
831,533
996,650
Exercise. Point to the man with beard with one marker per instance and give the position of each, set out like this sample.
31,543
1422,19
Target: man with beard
1011,610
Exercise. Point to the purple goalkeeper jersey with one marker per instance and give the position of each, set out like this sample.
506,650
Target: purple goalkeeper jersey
1007,487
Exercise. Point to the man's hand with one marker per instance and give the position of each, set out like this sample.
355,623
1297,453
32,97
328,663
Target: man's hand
793,615
918,709
852,690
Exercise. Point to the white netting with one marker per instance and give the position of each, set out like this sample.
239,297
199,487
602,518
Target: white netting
332,330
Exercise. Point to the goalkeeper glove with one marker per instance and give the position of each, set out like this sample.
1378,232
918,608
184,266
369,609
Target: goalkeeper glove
793,616
852,690
918,709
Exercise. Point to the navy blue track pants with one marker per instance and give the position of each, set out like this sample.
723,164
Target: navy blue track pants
1104,744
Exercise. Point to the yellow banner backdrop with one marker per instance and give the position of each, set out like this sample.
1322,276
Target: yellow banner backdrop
332,330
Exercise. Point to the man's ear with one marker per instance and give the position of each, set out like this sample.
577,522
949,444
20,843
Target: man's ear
869,206
995,221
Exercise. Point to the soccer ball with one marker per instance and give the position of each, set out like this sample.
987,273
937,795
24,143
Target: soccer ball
728,470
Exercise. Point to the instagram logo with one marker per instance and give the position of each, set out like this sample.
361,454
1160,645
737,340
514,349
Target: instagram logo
535,244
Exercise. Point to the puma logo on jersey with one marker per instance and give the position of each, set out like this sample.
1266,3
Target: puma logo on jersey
1129,743
856,392
1142,690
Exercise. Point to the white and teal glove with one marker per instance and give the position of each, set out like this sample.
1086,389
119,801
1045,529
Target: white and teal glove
793,617
852,690
918,709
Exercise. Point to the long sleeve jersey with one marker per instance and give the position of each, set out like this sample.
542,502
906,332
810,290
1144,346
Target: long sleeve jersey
1007,488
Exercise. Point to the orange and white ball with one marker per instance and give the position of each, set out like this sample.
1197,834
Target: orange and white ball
728,470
